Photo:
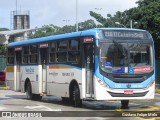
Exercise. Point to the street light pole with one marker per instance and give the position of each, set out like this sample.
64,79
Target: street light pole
77,15
120,24
66,21
16,7
131,24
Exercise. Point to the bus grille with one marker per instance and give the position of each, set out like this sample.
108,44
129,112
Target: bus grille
126,95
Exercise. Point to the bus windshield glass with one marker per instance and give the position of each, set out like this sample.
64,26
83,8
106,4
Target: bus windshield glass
126,58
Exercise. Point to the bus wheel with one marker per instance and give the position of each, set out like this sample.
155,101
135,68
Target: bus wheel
76,97
36,97
65,99
30,95
29,91
124,104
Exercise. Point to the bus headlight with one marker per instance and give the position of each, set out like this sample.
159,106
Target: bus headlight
150,84
101,82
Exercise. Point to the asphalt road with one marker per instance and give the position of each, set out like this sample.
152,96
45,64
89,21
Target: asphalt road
17,105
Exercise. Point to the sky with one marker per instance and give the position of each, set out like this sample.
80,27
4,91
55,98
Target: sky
60,12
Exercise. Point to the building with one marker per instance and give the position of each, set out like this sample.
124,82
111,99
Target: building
20,20
15,35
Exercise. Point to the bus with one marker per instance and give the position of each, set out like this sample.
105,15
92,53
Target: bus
96,64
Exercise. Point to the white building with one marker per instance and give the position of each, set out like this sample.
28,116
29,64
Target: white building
14,35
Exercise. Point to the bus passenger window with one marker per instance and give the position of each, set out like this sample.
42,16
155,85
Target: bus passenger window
26,50
10,59
74,53
74,45
62,57
33,53
52,57
62,46
33,59
74,56
52,51
25,59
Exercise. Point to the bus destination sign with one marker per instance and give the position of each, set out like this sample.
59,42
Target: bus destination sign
125,34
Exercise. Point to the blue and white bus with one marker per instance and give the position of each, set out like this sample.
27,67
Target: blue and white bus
96,64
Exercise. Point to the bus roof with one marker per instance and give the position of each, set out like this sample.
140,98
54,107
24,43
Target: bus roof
67,35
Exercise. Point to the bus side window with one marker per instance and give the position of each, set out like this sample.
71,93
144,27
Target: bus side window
74,52
52,51
62,48
10,59
25,54
33,54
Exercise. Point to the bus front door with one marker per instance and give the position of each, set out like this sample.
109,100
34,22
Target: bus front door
43,58
89,68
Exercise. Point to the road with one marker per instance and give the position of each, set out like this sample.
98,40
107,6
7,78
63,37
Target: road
102,110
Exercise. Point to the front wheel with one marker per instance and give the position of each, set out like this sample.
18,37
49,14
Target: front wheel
30,95
37,97
124,104
29,91
76,97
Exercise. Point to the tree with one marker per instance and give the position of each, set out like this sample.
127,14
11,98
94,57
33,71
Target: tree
88,24
4,29
110,20
98,17
2,49
145,2
147,15
47,30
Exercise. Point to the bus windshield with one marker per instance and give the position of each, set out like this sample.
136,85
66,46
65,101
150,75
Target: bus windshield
126,58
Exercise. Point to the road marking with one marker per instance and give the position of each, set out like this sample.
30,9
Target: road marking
42,108
149,108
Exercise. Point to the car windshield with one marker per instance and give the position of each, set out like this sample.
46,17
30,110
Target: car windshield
126,58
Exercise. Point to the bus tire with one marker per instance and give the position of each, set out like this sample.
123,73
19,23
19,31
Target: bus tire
76,97
37,97
66,100
29,91
124,104
30,95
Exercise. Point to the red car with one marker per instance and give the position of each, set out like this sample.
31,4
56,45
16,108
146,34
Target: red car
2,76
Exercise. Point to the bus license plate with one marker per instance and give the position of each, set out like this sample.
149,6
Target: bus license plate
128,92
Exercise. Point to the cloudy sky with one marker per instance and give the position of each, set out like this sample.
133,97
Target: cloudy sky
60,12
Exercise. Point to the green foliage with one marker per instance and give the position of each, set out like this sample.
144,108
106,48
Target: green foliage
87,25
146,2
47,30
146,15
98,17
157,91
2,49
4,29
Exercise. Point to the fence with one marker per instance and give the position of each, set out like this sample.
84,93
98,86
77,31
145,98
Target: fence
2,62
157,70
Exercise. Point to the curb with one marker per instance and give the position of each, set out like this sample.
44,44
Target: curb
4,88
157,94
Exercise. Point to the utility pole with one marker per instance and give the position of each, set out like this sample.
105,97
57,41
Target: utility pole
77,15
131,24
